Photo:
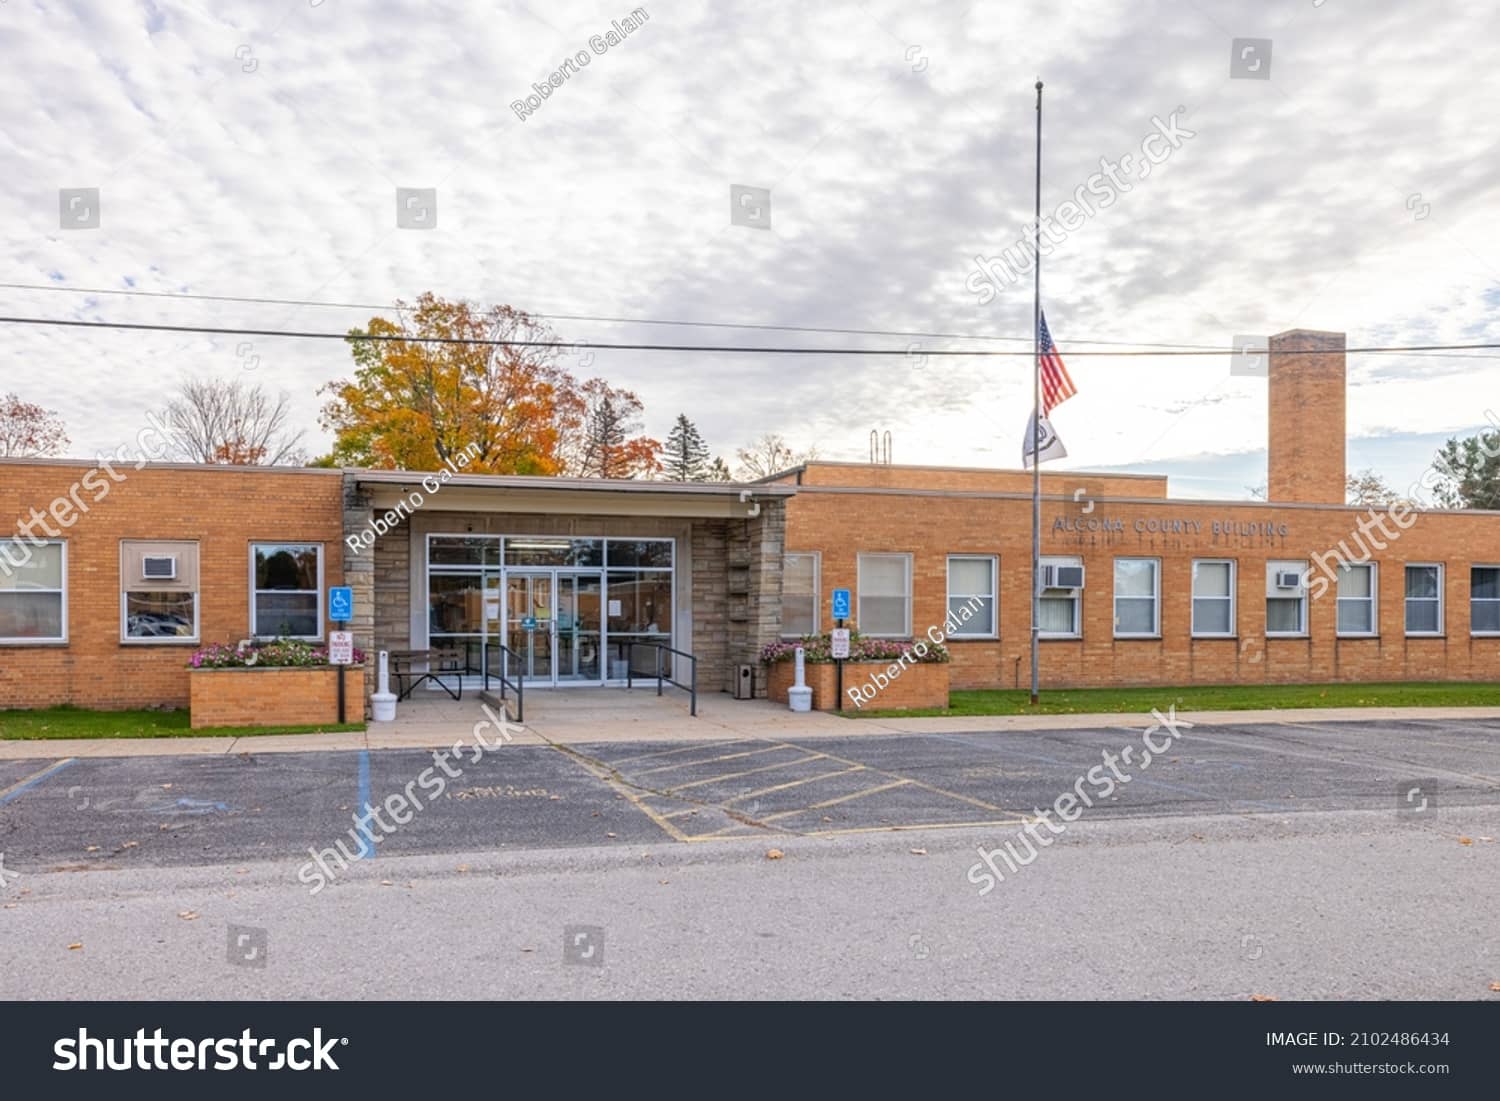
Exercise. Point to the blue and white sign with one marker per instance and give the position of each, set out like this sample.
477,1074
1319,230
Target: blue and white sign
841,604
340,603
528,623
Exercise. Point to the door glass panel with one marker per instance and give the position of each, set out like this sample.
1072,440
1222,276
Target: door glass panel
578,623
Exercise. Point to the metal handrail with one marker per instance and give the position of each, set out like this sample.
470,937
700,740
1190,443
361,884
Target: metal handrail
518,684
691,688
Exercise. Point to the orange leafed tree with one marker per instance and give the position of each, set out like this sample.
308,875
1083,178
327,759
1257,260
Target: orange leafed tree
414,404
27,429
435,389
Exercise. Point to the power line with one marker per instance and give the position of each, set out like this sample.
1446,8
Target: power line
722,348
186,296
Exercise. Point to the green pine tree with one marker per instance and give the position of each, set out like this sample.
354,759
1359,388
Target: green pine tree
685,458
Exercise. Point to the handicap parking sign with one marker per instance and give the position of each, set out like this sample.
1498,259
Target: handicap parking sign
340,603
528,623
841,604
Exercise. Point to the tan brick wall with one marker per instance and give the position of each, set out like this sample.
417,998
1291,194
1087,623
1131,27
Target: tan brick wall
919,686
274,697
838,526
1307,396
948,479
223,509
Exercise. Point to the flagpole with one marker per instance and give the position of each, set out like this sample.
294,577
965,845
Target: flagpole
1036,420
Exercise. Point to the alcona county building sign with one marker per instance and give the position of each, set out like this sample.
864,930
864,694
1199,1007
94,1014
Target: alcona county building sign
1170,526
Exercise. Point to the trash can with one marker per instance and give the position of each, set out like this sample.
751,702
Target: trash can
744,682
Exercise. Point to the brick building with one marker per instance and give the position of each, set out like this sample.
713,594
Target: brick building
118,573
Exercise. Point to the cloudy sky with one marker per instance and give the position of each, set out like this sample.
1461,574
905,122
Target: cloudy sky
255,149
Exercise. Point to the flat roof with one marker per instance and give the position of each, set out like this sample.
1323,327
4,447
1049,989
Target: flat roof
553,483
956,469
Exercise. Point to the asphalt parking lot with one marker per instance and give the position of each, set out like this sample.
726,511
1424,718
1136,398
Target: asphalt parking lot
116,812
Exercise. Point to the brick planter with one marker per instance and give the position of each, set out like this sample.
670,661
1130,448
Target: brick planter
274,697
920,685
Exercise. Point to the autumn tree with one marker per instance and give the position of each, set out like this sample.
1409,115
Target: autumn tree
231,423
452,376
768,455
685,458
26,429
601,434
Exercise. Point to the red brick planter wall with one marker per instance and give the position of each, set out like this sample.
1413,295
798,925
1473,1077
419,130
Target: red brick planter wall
274,697
922,685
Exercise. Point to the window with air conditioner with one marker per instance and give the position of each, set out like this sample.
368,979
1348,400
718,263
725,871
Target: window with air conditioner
1059,610
154,607
1286,606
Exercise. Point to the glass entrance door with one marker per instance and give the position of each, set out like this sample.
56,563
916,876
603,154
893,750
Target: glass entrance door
553,625
529,625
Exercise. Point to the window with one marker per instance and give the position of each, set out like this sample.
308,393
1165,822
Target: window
1424,600
1136,593
1059,609
1484,600
286,598
971,588
1213,598
33,591
154,608
885,595
1356,599
1286,598
799,595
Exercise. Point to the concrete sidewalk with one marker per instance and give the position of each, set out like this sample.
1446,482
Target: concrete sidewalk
583,716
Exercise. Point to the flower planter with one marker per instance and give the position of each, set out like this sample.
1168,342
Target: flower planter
915,685
260,696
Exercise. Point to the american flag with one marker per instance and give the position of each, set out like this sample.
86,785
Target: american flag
1057,387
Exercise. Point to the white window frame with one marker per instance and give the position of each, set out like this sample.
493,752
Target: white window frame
126,638
1074,596
255,631
1442,611
1373,600
1274,566
961,635
1155,631
1233,597
61,640
817,593
860,591
1485,600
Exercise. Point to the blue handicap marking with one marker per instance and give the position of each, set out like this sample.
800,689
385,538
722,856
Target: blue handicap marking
528,623
340,603
841,604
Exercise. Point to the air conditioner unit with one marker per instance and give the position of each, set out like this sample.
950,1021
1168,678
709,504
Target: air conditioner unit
161,567
1288,579
1062,577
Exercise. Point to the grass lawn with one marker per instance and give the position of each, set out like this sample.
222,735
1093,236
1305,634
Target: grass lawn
73,722
1208,698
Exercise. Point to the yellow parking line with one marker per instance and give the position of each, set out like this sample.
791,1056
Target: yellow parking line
711,760
833,802
667,752
925,786
623,789
746,772
791,784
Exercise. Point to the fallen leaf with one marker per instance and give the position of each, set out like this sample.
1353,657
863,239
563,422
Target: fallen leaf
919,852
1466,841
167,787
552,798
1486,839
91,849
130,845
609,835
528,949
664,882
1262,998
75,947
774,854
827,818
10,905
1495,986
385,883
188,915
463,867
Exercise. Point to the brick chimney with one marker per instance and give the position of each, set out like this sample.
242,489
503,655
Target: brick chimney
1307,432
